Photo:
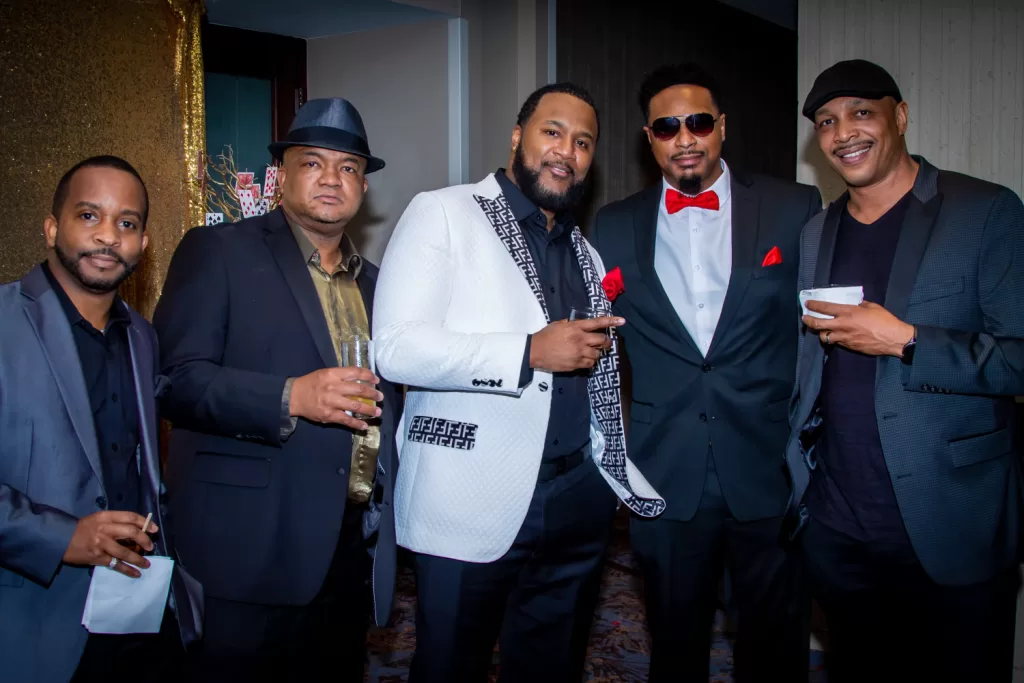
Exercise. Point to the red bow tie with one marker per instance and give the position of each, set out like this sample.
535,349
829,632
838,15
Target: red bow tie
677,201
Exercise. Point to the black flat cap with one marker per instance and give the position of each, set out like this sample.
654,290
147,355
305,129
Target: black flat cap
852,78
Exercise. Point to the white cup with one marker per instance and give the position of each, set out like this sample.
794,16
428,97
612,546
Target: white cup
851,296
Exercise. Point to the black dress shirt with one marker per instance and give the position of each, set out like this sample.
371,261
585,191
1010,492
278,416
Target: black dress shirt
562,283
851,490
107,369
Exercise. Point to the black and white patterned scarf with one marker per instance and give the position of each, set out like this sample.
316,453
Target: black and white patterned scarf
603,385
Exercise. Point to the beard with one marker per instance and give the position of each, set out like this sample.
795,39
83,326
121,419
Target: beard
529,183
90,284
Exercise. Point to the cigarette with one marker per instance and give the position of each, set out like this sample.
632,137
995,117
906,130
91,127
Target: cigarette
145,527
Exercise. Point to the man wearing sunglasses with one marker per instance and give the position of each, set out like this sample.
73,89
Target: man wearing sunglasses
708,264
903,418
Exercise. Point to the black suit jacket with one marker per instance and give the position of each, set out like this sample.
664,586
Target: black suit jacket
947,420
259,518
734,401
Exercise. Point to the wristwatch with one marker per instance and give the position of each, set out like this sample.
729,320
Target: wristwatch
908,349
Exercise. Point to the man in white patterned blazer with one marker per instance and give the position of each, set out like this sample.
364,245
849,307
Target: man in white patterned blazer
512,432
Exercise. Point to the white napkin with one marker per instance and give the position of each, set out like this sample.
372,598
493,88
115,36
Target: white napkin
852,296
120,604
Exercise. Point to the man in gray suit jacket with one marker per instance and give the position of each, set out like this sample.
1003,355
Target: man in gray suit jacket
903,412
79,462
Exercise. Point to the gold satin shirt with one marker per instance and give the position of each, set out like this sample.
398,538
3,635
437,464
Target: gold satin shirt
345,312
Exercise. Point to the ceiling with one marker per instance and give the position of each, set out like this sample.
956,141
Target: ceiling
317,18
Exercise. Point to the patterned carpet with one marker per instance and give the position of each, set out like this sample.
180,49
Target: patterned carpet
619,643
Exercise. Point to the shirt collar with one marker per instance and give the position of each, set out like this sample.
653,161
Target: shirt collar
525,210
118,310
351,261
722,187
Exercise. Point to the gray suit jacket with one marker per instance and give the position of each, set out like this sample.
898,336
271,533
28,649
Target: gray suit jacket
50,477
946,422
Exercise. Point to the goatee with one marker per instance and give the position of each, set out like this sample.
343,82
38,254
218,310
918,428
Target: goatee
94,285
690,186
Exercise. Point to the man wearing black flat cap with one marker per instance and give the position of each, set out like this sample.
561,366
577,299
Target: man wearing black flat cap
904,475
282,476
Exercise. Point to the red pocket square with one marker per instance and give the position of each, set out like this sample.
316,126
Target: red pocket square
772,258
612,284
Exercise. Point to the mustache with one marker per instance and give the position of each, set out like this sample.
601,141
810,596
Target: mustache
680,155
845,148
105,251
567,167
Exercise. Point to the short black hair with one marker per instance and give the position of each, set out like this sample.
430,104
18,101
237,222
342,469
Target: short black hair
101,161
566,88
669,75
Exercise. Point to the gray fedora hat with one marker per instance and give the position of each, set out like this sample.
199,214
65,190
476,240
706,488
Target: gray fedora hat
330,123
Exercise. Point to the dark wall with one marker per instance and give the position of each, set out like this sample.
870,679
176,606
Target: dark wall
607,47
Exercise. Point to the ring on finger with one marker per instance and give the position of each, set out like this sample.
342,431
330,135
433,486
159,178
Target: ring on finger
828,337
113,562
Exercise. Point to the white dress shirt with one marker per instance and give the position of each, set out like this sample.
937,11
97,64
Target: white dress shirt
693,260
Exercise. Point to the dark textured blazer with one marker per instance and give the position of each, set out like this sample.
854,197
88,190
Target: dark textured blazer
947,420
734,401
51,476
259,517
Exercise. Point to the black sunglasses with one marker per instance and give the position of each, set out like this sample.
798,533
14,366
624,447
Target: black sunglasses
667,127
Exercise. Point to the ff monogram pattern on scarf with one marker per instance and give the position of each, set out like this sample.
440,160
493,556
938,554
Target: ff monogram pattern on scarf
603,384
437,431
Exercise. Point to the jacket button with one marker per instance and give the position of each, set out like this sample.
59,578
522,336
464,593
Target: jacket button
101,502
703,417
341,471
706,367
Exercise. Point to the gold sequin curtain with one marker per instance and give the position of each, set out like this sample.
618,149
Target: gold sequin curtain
188,74
86,77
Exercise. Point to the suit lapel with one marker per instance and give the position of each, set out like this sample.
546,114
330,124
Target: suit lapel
745,224
286,252
645,231
51,326
917,229
367,284
827,246
913,242
810,369
149,459
502,220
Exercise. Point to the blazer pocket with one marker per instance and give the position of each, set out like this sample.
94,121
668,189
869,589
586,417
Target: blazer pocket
641,412
978,449
775,272
232,470
936,290
437,431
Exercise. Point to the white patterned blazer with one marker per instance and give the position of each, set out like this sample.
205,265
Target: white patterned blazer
456,299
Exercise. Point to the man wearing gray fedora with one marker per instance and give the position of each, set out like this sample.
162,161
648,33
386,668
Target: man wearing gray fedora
281,462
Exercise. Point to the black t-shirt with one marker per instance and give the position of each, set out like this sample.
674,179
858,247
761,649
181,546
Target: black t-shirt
851,490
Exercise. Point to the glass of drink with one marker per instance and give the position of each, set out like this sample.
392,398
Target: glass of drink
357,352
588,314
583,314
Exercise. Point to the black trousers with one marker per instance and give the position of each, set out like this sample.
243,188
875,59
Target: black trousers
682,563
256,643
889,621
142,657
537,600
